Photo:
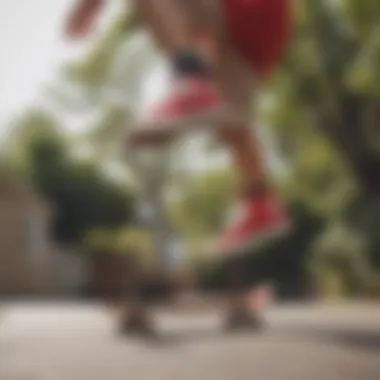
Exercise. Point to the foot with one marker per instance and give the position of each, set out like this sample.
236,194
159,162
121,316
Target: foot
192,98
255,221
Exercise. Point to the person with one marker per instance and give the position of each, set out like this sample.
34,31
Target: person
221,52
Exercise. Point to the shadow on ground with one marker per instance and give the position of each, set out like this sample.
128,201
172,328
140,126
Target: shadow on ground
348,337
367,340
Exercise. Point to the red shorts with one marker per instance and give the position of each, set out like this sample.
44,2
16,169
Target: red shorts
260,30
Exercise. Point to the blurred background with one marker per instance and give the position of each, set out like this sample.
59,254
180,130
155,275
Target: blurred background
69,196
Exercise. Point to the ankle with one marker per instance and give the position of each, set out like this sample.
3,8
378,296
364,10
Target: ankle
189,62
255,188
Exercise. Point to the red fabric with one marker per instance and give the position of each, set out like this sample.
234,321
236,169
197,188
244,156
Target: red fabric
189,95
260,29
255,216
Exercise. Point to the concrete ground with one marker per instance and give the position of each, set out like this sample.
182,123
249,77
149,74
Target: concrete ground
73,342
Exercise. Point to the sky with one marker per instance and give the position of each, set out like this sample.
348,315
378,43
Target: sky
32,47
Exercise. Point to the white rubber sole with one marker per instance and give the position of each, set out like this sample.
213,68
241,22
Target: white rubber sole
255,244
202,121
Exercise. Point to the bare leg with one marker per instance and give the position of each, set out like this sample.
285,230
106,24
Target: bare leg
176,26
236,81
168,23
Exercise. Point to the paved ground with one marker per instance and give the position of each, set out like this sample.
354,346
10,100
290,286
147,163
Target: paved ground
302,343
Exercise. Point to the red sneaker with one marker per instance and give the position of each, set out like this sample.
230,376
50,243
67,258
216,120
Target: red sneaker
193,100
255,221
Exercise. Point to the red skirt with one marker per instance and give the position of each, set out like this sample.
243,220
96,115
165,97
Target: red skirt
260,30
